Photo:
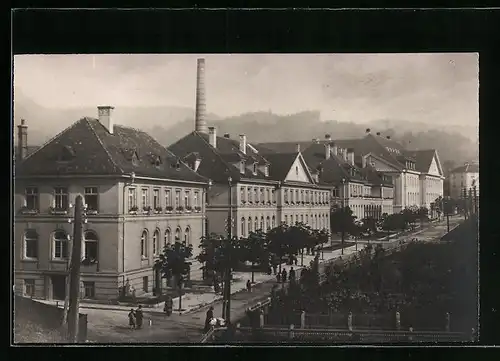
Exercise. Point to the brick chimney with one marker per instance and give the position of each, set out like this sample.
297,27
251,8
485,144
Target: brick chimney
298,148
212,136
328,137
105,113
22,140
328,150
350,156
243,143
200,112
226,135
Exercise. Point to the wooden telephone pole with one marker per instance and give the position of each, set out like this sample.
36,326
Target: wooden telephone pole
74,291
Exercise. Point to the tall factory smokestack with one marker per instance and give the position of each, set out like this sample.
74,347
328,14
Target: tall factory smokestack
200,121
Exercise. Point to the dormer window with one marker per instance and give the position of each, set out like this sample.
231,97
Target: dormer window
254,168
242,167
266,170
135,158
67,154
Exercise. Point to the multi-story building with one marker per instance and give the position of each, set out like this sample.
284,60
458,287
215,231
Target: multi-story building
352,183
463,178
139,197
417,175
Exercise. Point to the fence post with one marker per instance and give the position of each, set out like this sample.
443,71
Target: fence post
261,319
303,319
349,321
447,322
290,332
398,321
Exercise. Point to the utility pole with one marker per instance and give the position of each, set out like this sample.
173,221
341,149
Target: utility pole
446,208
475,200
74,296
68,270
229,251
343,218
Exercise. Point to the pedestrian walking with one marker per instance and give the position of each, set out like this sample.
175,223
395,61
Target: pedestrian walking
292,275
209,317
131,319
275,268
139,316
283,275
249,286
295,260
278,277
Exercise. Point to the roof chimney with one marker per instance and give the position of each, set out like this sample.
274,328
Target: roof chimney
212,136
22,140
378,133
243,143
350,156
200,112
368,130
328,137
388,137
335,149
226,135
328,150
105,113
315,140
298,148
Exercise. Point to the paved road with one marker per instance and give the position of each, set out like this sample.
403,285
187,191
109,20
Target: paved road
111,326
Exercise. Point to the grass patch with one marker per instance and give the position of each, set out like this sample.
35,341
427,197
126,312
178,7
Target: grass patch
29,332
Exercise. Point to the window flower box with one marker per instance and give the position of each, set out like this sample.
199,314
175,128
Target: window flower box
133,210
197,209
189,209
146,210
58,211
169,209
180,209
158,210
28,211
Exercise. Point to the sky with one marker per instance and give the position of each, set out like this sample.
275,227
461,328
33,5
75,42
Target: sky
431,88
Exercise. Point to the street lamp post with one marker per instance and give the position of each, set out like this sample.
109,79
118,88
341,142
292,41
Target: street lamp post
342,233
228,253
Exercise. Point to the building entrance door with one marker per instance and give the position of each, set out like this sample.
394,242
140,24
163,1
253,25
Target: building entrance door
58,287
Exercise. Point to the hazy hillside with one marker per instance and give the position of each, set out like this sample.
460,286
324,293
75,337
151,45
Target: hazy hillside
167,124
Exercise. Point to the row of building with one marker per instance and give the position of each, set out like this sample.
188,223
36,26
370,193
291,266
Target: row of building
141,195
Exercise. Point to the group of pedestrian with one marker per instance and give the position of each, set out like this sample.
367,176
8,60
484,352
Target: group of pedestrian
135,318
282,277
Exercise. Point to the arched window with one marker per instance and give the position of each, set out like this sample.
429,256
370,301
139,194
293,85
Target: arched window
60,241
307,219
273,224
262,223
286,219
242,231
156,241
90,245
302,218
30,244
187,236
268,223
291,219
178,235
256,224
249,225
144,244
167,239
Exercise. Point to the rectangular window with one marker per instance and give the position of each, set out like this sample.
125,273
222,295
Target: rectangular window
145,197
177,198
31,194
60,248
262,200
91,198
255,196
90,249
273,195
196,199
168,200
132,198
242,195
61,198
187,199
145,283
30,244
286,196
286,219
89,289
156,198
29,288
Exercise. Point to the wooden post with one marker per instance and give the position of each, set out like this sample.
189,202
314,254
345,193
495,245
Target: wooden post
290,332
74,297
303,319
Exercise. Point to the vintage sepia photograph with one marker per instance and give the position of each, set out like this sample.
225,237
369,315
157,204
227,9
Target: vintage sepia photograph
240,199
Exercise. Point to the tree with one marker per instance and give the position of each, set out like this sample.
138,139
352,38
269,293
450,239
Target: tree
393,222
278,242
342,221
256,250
410,216
370,225
423,214
173,263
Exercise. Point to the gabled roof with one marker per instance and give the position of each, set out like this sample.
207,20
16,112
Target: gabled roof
94,151
423,159
467,168
216,163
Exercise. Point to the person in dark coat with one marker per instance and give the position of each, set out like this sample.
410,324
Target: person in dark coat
283,275
275,268
292,275
210,315
131,319
278,277
139,316
249,286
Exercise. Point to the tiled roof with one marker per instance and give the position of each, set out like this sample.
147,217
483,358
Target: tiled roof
216,164
280,164
467,168
87,148
423,159
31,149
